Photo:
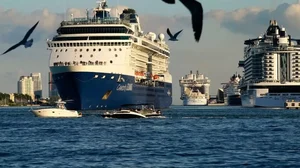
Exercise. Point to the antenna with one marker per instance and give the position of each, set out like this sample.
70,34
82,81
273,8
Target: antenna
117,12
87,13
273,5
66,10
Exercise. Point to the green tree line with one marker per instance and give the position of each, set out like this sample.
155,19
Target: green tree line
25,99
20,99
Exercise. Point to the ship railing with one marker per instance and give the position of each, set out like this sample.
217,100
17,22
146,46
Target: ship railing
269,81
155,42
86,21
76,63
156,83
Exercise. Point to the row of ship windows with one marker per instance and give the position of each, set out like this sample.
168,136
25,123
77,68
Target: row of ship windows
116,55
87,50
270,57
272,54
80,30
272,77
101,44
270,69
81,62
89,44
155,48
84,38
151,89
266,72
271,73
266,65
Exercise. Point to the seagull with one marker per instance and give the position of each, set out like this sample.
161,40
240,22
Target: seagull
173,37
196,10
24,40
169,1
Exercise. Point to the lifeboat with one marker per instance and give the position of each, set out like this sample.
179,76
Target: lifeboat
155,76
139,73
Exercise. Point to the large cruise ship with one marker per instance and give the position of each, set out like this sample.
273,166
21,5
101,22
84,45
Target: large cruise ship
194,89
104,62
232,95
271,69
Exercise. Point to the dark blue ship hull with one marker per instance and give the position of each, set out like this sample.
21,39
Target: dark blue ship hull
234,100
102,91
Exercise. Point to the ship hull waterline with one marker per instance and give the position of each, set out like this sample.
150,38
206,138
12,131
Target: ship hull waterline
195,102
233,100
265,102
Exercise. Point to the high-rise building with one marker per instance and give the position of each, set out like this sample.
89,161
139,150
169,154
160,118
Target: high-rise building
52,88
37,85
25,86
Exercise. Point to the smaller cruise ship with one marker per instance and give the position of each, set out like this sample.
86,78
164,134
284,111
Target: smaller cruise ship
232,95
194,89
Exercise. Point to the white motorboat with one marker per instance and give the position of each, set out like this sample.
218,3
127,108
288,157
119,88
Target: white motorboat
59,112
123,114
144,112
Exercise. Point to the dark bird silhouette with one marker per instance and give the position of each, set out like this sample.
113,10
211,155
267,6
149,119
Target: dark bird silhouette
169,1
24,40
173,37
196,10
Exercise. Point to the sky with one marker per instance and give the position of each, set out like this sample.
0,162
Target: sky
227,24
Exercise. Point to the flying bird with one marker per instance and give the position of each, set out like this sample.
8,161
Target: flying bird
196,10
173,37
169,1
24,40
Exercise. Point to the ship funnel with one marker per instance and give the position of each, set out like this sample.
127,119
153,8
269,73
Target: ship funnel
273,23
290,40
191,72
197,72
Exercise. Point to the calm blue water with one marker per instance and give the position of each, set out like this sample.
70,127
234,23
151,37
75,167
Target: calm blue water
187,137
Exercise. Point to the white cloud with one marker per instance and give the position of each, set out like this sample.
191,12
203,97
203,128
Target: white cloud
253,21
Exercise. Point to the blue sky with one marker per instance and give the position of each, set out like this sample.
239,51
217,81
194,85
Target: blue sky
216,55
140,5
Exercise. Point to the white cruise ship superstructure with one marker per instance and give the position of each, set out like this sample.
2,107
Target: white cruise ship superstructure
271,69
194,89
102,62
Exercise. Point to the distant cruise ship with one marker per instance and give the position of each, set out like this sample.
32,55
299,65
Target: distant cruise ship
232,95
194,89
271,69
104,62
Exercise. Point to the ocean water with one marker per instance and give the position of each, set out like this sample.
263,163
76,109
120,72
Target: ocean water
212,136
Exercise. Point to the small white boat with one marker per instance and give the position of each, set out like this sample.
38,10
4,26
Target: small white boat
59,112
123,114
145,112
